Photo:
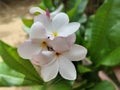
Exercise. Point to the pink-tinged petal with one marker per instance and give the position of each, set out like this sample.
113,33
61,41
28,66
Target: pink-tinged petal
71,39
69,29
76,53
59,44
37,31
103,76
50,71
42,58
116,70
33,10
45,20
47,13
27,49
60,20
67,69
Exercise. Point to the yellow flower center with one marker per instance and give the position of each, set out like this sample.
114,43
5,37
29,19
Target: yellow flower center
55,34
43,44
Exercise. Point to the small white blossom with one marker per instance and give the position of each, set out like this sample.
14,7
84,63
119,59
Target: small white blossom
35,10
37,41
59,26
51,45
53,62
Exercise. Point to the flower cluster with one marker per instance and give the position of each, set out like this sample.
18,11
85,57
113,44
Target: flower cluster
51,45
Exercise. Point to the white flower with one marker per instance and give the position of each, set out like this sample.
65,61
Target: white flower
55,23
60,44
38,10
51,45
58,26
36,42
53,62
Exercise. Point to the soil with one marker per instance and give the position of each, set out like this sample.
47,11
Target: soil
11,25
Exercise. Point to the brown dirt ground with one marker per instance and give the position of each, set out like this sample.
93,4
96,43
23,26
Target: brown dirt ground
11,26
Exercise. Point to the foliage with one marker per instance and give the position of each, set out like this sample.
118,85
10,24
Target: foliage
99,33
104,85
12,59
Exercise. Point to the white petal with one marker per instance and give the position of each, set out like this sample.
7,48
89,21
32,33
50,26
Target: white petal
71,39
59,44
60,20
45,20
27,49
76,53
50,71
37,31
36,9
69,29
42,58
67,69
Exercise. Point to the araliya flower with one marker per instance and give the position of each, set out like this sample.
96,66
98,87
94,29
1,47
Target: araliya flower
58,25
53,62
37,42
51,45
37,11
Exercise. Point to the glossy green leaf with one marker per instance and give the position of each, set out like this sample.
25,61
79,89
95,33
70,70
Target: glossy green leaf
114,36
78,37
82,6
42,5
83,19
106,18
74,9
104,85
83,69
88,29
77,8
59,84
49,4
112,59
12,59
9,77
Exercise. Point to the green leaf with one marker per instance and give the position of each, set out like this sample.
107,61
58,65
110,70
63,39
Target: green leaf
106,18
49,4
78,7
83,69
9,77
88,31
83,19
59,84
27,22
104,85
82,6
74,9
38,87
114,36
42,5
78,37
12,59
112,59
